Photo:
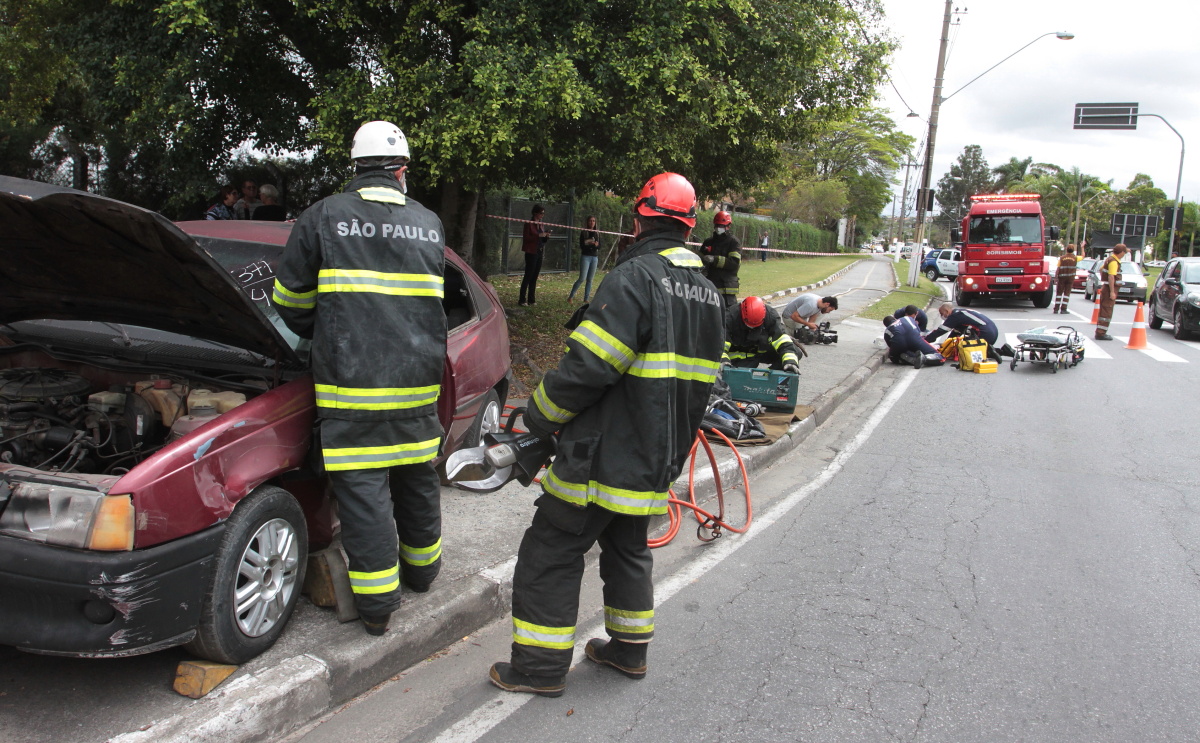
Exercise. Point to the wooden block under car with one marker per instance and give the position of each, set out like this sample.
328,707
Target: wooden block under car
196,678
327,582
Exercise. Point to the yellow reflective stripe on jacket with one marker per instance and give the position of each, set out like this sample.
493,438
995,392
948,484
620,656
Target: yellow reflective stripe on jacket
384,195
421,555
617,500
289,298
727,290
735,254
777,342
547,407
396,284
382,581
622,620
375,398
370,457
681,257
555,638
604,344
668,365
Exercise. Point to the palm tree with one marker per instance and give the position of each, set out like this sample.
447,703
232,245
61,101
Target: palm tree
1011,172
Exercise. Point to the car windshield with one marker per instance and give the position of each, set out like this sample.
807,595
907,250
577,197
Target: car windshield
999,229
1191,273
1086,263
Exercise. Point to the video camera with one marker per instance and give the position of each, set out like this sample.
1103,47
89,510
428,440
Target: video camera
825,335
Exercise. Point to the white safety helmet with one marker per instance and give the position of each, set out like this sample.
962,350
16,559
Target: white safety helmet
379,139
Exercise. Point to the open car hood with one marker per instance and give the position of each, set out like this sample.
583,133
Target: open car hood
72,255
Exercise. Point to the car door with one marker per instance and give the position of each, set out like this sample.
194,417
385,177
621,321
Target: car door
947,262
1167,290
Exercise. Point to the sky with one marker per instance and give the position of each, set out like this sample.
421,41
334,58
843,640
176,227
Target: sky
1144,52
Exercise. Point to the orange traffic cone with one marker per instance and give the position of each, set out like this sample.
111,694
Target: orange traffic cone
1096,310
1137,337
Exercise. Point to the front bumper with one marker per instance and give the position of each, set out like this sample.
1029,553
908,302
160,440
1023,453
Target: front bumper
1191,315
63,601
1020,284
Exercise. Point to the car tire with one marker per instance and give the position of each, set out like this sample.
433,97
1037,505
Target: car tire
257,578
1155,321
1180,333
932,275
961,298
489,419
1043,300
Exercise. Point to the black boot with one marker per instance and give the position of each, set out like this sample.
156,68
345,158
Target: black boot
375,625
627,657
419,584
509,679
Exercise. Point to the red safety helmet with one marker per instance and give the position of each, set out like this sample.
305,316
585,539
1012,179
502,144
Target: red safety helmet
668,195
722,219
753,311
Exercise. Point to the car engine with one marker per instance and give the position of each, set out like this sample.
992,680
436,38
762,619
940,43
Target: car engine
56,420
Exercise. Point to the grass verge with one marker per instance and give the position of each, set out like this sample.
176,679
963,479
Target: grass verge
538,335
903,295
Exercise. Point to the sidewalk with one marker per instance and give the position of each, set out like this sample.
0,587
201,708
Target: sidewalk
319,664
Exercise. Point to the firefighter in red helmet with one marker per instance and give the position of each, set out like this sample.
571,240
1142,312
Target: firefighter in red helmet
722,258
754,334
626,400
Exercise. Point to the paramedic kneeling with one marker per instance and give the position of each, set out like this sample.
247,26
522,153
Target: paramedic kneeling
905,344
962,322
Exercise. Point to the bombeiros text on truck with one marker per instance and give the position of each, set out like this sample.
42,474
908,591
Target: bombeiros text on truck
1004,250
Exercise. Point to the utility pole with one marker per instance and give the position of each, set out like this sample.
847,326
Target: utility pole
904,200
931,139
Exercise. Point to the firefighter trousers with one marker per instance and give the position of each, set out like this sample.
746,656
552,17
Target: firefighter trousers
391,523
1064,295
549,571
1107,303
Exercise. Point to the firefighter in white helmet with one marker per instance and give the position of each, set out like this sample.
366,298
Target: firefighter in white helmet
362,277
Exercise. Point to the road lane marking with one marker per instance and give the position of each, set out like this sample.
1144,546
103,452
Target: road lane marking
503,704
1154,352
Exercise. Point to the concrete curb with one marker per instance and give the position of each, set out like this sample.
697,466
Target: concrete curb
822,282
267,704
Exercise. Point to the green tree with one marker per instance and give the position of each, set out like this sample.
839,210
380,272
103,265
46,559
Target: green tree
968,175
576,94
1010,174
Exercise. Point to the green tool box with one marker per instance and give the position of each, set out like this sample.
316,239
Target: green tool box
775,390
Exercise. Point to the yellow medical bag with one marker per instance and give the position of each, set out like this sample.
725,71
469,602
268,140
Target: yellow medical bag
972,353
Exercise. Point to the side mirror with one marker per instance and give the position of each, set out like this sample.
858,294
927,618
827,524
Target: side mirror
955,235
1053,232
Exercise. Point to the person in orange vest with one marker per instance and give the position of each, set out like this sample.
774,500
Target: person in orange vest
1110,275
1066,279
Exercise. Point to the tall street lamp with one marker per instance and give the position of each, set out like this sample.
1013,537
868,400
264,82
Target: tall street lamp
924,196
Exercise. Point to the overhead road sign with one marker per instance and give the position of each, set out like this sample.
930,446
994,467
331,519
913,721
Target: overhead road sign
1106,115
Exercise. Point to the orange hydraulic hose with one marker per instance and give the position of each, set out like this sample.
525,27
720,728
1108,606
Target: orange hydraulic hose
715,522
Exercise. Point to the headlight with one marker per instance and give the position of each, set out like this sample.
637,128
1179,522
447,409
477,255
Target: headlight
1037,281
68,517
1194,300
970,281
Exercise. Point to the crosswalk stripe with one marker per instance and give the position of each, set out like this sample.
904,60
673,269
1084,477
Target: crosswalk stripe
1154,352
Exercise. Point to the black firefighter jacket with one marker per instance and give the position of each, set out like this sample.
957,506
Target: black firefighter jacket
723,271
744,342
629,393
362,277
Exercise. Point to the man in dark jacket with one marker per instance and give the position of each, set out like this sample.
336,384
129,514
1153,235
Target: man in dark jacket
960,322
916,313
905,344
754,334
627,398
362,276
722,258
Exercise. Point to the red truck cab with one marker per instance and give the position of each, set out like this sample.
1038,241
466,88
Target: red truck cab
1004,250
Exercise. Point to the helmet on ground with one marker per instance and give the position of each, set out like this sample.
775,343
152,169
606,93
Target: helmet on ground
722,219
753,311
379,139
668,195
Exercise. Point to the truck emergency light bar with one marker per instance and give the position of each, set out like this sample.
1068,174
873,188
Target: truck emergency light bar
1007,197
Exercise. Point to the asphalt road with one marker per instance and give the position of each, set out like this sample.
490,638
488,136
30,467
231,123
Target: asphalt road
952,557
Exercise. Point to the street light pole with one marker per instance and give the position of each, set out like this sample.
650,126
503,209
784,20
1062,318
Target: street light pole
923,195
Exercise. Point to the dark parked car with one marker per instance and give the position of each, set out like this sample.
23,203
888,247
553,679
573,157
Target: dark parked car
156,486
1176,297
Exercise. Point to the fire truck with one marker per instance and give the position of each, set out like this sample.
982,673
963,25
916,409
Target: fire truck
1004,250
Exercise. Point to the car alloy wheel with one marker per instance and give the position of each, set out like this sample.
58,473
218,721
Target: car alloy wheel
266,577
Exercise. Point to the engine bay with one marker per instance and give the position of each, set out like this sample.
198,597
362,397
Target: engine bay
75,417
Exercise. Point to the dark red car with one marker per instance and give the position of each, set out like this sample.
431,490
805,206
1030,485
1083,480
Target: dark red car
156,486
